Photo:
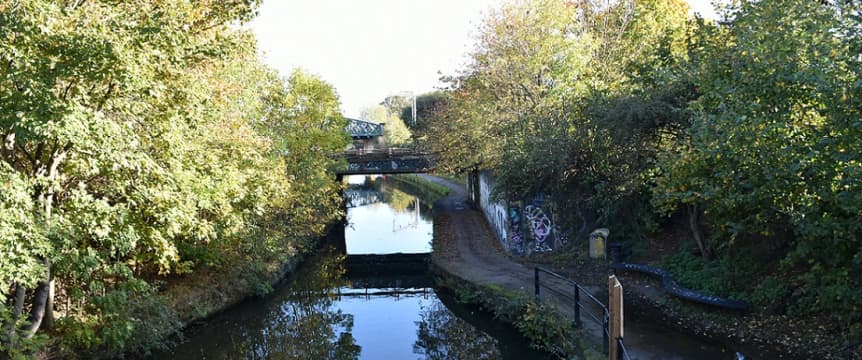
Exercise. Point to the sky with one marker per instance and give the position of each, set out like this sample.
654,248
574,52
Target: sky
371,49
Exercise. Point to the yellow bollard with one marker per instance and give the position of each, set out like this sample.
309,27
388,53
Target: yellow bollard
598,239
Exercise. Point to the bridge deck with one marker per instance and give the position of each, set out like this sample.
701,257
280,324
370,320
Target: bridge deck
387,161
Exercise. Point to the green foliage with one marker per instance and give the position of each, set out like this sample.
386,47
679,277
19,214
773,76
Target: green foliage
133,321
14,345
428,191
773,148
541,324
538,322
771,290
428,105
624,111
145,138
395,132
22,239
554,103
696,273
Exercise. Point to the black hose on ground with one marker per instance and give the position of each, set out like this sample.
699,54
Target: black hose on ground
672,287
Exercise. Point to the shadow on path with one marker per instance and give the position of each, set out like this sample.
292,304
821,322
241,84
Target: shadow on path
465,246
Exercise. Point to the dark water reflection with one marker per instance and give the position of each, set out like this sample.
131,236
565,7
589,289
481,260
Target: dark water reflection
386,218
442,335
319,314
324,312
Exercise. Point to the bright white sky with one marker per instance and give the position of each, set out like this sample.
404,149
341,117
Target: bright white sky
374,48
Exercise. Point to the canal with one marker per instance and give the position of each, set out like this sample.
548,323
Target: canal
363,295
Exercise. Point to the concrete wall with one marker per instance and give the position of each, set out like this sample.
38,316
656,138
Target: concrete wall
522,227
496,213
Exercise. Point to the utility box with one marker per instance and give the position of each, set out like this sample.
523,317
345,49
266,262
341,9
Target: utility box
598,241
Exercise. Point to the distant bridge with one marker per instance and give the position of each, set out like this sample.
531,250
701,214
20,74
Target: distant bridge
369,155
387,161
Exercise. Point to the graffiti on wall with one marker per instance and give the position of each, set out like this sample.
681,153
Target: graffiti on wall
522,227
541,227
516,243
532,229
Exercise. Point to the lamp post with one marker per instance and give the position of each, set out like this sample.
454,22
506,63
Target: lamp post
414,110
412,107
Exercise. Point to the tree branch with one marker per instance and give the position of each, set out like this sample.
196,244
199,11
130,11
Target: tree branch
106,96
66,90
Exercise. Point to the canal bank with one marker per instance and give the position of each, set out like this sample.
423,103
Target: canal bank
464,247
346,301
194,299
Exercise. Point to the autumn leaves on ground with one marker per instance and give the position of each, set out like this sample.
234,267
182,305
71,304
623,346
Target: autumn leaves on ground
144,142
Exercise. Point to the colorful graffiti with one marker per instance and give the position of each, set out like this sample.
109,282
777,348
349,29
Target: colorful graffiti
516,242
532,229
522,226
541,226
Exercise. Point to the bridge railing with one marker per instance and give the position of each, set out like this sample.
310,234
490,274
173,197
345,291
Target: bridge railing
389,151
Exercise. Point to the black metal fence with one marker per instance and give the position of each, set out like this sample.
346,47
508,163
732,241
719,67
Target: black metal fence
584,304
850,349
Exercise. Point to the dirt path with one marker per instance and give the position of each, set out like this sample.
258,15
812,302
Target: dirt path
467,248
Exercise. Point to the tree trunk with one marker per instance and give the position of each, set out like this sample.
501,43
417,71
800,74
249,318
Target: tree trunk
43,302
694,224
40,302
7,147
20,293
48,322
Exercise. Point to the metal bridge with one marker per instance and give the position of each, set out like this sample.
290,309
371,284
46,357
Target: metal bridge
387,161
369,155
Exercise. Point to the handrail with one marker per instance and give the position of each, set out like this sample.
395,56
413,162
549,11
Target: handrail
384,151
850,349
577,306
558,276
623,353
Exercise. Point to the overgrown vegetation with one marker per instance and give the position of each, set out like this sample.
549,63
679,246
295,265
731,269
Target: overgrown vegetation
538,322
429,190
395,132
141,140
631,112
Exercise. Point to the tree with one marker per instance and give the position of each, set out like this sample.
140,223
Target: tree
140,139
549,89
427,106
394,130
394,104
773,147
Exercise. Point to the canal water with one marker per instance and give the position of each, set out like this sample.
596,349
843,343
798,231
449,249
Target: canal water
332,308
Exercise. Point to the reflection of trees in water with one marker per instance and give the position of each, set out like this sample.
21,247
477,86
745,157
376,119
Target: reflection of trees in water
305,329
442,335
375,190
399,201
306,325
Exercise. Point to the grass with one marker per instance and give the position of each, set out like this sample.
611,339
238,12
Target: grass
429,191
460,178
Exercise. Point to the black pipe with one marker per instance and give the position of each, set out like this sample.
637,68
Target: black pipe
672,287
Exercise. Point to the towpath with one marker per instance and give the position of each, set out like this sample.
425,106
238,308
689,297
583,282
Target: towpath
466,247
